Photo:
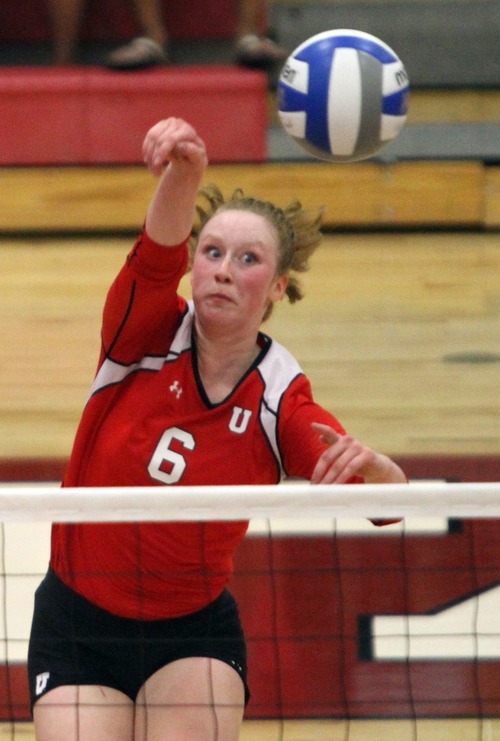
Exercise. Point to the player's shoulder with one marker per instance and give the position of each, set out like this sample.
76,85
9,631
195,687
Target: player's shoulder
278,369
278,354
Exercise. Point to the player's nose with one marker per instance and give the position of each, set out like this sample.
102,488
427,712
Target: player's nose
224,270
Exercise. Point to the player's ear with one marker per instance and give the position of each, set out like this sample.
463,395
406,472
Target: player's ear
279,287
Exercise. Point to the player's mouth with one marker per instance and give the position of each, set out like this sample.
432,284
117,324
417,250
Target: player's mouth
222,297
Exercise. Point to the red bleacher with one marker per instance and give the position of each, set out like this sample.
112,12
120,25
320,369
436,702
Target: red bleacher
83,115
87,115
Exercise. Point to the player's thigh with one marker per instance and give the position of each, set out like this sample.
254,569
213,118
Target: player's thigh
196,698
84,713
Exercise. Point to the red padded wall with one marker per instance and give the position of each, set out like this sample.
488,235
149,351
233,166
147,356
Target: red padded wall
84,115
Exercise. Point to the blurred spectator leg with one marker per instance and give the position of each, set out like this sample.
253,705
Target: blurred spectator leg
253,48
149,49
65,17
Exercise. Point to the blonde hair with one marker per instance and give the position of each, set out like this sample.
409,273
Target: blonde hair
299,231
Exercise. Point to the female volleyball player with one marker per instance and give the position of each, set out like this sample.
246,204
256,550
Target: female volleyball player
135,635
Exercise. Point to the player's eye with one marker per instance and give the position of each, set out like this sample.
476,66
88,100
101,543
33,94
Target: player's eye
249,258
212,252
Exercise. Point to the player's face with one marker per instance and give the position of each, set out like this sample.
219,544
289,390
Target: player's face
234,274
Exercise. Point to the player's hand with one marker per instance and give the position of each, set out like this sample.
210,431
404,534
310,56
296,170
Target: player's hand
173,140
346,457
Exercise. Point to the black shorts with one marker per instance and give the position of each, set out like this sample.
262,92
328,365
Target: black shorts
74,642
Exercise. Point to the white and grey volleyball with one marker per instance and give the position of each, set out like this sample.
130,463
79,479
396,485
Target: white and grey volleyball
343,95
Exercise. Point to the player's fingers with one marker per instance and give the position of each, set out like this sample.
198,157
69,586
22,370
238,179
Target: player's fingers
330,455
161,143
346,458
344,467
327,433
192,151
153,135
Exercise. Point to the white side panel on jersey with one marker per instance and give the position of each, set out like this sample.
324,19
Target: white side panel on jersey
111,372
278,369
182,339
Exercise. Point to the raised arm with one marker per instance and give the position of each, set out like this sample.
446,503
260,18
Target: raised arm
175,144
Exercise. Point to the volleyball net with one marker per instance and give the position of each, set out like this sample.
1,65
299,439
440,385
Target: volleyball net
343,619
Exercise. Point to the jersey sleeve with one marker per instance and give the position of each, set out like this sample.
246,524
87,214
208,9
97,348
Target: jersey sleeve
300,444
142,308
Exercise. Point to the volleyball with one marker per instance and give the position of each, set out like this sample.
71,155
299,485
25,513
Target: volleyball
343,95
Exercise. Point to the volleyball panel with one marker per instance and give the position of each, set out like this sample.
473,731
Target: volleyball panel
343,95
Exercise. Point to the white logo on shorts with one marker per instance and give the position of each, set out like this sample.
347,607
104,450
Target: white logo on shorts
41,682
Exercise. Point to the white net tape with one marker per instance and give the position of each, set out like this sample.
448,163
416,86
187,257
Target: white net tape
289,500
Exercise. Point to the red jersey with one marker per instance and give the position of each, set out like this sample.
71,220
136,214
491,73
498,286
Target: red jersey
148,421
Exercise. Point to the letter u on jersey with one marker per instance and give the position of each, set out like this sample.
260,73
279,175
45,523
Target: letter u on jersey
239,420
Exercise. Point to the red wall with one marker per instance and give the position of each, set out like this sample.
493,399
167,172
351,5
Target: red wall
306,605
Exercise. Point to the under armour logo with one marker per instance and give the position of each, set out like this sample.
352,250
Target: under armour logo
176,389
41,682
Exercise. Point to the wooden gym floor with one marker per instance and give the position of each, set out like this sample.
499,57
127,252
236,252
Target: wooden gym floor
322,730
